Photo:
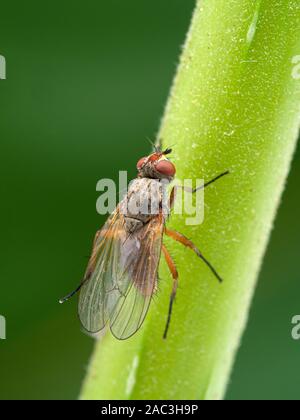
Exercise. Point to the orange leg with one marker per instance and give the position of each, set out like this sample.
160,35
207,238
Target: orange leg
189,244
174,273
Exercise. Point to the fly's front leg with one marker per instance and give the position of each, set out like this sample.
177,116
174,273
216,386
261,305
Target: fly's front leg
192,190
179,237
172,198
174,274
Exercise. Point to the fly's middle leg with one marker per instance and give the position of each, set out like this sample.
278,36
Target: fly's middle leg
179,237
174,273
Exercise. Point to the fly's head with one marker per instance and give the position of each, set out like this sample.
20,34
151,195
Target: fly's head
156,166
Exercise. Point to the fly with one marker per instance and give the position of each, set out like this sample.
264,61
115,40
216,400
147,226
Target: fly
122,274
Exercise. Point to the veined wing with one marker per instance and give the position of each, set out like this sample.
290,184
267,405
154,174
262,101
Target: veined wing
98,277
140,259
122,276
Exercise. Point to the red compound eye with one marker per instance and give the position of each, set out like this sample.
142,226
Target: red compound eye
141,163
165,167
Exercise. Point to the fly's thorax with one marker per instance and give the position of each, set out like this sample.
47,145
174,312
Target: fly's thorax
145,199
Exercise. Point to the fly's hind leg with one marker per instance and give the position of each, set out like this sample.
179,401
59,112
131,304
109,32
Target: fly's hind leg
179,237
174,274
64,299
88,273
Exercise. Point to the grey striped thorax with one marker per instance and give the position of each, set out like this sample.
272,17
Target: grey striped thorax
146,198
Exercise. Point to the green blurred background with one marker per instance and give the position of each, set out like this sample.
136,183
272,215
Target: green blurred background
86,84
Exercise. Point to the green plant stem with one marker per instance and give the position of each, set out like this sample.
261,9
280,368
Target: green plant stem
234,105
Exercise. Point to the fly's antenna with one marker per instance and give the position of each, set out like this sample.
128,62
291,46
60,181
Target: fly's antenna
167,151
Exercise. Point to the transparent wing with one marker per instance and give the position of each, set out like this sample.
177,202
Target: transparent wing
140,259
121,277
101,270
